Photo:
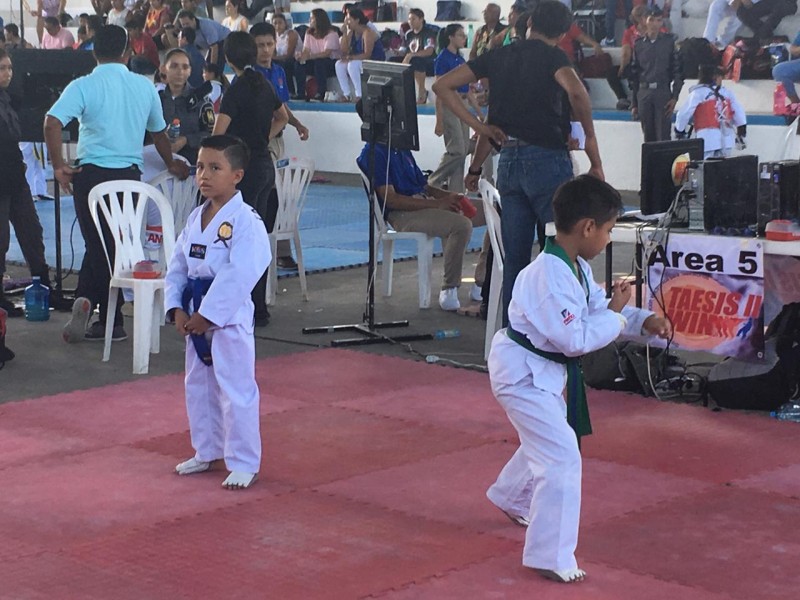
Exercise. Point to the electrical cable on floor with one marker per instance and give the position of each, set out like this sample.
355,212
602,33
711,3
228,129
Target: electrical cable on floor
293,342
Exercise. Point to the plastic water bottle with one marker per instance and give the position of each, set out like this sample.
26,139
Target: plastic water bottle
470,35
779,98
788,412
446,333
174,131
37,301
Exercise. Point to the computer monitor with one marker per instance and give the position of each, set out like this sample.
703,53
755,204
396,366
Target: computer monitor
390,105
658,189
39,78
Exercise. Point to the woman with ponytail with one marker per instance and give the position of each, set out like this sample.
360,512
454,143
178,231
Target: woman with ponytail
450,172
251,110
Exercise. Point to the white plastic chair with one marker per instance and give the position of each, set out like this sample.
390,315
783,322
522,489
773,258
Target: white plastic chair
494,319
183,196
126,219
384,233
292,179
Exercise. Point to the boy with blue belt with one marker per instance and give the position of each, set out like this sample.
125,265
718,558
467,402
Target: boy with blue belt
220,255
557,313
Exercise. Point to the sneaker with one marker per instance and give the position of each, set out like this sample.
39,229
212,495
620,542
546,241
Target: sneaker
12,309
448,299
97,332
286,262
475,293
75,329
608,42
623,104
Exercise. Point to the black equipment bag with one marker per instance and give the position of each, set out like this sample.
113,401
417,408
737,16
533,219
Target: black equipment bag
694,52
764,385
448,10
622,366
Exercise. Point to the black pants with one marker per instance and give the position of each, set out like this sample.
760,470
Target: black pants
17,209
95,276
773,10
258,182
656,125
321,68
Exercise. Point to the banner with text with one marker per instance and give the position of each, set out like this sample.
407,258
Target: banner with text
712,290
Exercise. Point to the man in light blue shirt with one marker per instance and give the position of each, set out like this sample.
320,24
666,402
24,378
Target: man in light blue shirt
209,35
114,108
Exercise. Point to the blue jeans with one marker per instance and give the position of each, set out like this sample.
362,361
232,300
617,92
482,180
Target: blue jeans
527,178
788,73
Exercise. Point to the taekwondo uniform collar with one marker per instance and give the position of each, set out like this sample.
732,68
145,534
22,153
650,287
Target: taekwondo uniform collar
552,247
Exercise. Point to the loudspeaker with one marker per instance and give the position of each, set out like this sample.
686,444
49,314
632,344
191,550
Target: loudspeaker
40,77
730,190
778,192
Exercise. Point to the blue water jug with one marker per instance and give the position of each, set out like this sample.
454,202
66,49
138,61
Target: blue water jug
37,301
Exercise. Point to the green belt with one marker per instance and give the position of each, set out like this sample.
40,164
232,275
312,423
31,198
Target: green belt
577,407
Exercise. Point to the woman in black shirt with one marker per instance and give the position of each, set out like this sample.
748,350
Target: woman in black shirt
251,110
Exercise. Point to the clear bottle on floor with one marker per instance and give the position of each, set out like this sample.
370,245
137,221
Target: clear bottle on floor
446,333
37,301
788,412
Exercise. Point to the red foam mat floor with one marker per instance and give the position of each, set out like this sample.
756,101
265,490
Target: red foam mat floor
372,486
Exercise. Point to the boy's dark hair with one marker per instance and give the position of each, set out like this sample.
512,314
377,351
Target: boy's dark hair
135,22
551,18
186,14
82,30
52,21
264,28
585,197
281,16
189,34
110,42
12,29
95,23
234,149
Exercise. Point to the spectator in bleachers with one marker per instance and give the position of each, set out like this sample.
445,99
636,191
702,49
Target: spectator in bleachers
717,11
186,39
264,35
144,54
12,37
359,42
118,13
491,27
631,34
44,9
219,83
763,16
656,79
55,36
209,35
419,49
201,8
611,20
287,46
673,12
80,38
507,35
410,203
320,51
715,113
93,24
179,101
158,17
233,20
450,172
788,73
16,203
2,40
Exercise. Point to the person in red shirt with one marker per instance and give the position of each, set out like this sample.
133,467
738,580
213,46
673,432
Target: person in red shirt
145,54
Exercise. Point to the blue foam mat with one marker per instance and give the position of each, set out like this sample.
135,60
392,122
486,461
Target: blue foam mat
333,231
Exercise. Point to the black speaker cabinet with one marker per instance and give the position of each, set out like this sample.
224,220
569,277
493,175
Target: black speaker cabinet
730,188
778,192
39,78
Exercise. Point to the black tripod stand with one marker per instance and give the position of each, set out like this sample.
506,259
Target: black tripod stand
368,328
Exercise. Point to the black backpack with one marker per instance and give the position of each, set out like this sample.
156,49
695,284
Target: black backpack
622,366
768,384
448,10
694,52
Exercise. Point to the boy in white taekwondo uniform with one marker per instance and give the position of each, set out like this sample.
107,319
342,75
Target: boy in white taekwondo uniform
219,257
557,313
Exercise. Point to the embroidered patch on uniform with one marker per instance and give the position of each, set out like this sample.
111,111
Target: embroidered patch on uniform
567,316
197,251
224,233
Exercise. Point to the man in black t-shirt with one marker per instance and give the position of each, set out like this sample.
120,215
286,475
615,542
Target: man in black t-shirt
533,89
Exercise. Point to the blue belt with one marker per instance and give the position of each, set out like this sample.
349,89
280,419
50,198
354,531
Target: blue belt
577,407
193,295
